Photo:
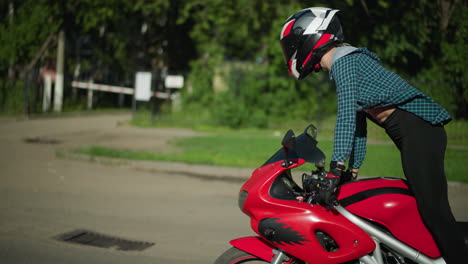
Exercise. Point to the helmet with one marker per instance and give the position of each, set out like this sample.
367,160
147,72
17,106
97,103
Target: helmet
307,36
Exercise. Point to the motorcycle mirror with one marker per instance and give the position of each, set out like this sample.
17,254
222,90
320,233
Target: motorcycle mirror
289,143
311,131
289,140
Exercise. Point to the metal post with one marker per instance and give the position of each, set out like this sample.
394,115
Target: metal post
76,74
27,80
121,100
58,92
11,19
153,109
90,96
47,93
134,104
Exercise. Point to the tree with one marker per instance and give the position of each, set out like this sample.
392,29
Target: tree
116,36
425,41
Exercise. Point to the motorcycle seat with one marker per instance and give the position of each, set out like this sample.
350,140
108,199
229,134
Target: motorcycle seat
464,229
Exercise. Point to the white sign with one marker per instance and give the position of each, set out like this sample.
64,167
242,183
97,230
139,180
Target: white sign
174,81
143,86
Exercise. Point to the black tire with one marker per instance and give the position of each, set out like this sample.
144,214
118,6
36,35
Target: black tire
236,256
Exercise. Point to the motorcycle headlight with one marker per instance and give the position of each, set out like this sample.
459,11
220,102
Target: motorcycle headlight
242,197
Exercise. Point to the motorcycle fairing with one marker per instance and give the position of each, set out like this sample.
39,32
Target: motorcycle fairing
255,246
276,231
389,202
306,231
304,220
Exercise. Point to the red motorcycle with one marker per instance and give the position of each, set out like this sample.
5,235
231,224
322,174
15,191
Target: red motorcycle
372,221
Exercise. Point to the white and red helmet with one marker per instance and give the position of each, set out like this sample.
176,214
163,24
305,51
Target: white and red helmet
307,36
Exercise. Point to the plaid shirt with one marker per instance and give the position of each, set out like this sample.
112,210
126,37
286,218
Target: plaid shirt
362,83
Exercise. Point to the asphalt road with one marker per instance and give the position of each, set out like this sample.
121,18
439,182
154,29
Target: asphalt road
189,218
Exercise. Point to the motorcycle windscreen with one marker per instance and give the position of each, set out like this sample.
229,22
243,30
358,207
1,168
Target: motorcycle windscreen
305,148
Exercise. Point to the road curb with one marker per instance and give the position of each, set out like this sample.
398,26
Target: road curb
206,172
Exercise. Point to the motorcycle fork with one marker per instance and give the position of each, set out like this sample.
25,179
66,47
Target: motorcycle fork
377,256
280,258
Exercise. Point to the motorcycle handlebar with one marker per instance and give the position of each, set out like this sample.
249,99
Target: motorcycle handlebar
320,187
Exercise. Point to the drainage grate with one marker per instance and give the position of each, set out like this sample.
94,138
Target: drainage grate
41,140
90,238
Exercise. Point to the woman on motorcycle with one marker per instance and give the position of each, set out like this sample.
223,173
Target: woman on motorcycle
312,39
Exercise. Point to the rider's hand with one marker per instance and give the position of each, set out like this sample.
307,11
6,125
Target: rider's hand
345,175
328,185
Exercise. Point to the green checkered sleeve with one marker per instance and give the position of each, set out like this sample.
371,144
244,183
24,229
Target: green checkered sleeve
346,85
360,139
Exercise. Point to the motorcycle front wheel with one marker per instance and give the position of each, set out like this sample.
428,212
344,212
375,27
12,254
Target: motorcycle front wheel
236,256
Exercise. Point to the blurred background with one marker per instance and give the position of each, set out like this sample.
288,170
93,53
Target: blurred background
227,51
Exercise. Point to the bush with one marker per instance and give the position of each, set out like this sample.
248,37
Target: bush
11,97
227,111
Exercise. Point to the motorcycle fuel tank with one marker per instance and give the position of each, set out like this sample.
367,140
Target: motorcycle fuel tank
390,203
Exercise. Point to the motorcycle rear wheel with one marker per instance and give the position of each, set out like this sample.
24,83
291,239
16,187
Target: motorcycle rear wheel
236,256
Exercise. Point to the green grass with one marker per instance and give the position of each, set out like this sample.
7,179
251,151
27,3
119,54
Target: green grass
251,149
199,120
222,150
457,132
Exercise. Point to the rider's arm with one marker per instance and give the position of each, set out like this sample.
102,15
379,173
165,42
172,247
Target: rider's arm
359,145
345,72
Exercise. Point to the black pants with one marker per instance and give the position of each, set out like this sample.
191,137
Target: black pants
422,148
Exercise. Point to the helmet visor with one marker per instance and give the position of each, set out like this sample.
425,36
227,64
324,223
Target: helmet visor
289,45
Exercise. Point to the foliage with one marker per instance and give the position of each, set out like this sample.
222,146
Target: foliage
22,35
14,104
424,41
258,88
107,41
410,42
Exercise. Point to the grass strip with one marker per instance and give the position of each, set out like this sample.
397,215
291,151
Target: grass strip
247,151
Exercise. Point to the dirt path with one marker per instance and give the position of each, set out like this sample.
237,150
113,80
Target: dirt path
104,130
42,196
